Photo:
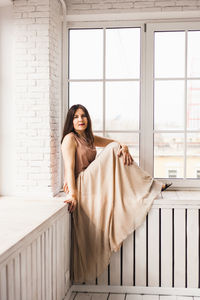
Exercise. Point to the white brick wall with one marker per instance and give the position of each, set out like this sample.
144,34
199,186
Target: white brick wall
55,91
37,95
116,6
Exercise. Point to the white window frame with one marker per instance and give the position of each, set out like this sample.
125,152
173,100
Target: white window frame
146,131
149,131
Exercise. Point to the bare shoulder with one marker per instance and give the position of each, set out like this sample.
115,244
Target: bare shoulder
69,140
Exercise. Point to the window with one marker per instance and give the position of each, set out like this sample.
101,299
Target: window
104,75
142,88
176,99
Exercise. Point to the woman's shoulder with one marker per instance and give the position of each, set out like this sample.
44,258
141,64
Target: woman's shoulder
69,139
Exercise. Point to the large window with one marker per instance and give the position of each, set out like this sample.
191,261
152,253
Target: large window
142,88
177,101
174,76
104,75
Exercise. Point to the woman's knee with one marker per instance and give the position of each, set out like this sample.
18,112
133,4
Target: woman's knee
113,147
110,148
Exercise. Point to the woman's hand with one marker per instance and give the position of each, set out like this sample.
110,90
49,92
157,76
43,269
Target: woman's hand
71,199
128,160
72,202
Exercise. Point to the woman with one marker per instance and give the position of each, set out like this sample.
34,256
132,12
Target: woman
109,195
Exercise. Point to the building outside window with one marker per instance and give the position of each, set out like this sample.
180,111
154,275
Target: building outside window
172,173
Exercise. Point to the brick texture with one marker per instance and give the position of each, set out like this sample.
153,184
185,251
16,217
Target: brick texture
37,95
55,92
116,6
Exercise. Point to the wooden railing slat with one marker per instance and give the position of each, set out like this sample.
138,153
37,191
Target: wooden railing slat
127,260
153,247
140,255
166,248
179,248
192,248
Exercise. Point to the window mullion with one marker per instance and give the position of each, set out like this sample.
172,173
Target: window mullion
185,108
104,75
147,116
142,95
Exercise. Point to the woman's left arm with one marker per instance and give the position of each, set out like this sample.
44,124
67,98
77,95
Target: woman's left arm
102,142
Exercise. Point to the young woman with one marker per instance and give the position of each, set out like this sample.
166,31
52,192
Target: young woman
109,195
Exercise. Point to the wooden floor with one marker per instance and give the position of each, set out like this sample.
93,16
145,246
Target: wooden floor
112,296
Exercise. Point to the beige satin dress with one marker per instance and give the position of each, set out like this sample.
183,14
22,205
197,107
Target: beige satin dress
113,200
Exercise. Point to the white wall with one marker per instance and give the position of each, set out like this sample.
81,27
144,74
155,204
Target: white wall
37,96
30,95
7,116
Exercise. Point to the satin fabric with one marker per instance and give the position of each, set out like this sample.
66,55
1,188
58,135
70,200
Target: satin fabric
113,201
84,155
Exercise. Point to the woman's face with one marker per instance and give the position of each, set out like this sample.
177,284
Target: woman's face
80,121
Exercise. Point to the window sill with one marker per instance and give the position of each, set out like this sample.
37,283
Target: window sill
184,199
21,216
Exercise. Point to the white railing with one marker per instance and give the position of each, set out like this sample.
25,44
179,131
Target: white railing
37,267
161,257
163,253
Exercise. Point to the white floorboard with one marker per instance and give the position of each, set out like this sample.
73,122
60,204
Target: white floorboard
91,296
73,295
83,296
133,297
103,296
116,297
150,297
169,297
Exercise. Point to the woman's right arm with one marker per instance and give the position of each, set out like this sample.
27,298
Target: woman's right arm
68,148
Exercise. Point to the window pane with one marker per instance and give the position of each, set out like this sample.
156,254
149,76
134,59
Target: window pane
193,155
169,105
122,105
89,94
194,53
123,53
193,104
168,154
130,139
86,54
169,54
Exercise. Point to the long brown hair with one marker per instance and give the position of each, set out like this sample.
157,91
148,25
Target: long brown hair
68,127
